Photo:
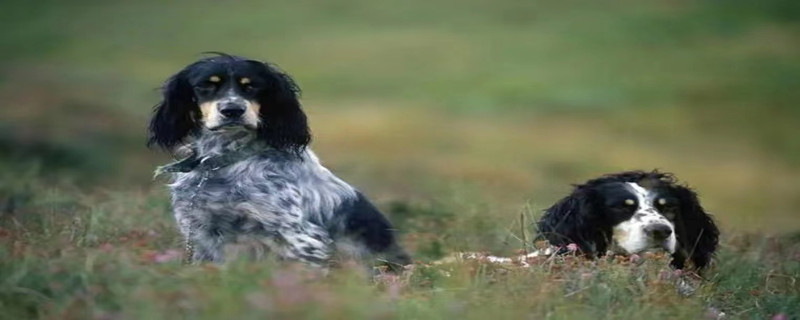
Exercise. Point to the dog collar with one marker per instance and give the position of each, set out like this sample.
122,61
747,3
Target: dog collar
195,163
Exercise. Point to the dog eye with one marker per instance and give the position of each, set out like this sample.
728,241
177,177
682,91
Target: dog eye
664,202
248,87
206,86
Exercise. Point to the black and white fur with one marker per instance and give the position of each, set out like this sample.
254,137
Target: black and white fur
633,212
244,115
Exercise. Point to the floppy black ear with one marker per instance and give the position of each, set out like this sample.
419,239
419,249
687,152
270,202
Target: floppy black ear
283,123
174,117
697,233
576,219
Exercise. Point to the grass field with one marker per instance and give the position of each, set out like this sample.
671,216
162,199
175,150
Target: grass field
455,117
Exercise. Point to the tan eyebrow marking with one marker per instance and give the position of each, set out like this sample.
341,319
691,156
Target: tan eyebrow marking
662,201
630,202
244,80
214,79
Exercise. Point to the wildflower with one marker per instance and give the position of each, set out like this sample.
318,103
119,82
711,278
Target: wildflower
572,247
167,256
714,313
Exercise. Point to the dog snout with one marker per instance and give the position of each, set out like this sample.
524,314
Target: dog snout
658,231
232,109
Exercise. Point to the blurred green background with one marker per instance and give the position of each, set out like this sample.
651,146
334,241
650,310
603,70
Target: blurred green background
471,110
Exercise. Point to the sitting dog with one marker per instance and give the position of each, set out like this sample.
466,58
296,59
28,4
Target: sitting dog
250,173
632,212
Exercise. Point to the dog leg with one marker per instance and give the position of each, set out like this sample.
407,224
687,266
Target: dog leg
395,258
188,253
208,249
186,229
309,243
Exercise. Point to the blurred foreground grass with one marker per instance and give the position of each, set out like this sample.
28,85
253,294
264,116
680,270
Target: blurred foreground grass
455,116
111,256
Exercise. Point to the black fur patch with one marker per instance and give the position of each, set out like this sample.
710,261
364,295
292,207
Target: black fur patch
359,220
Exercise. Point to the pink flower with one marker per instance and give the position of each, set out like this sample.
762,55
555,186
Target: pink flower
634,258
714,314
393,290
572,247
780,316
106,247
290,285
259,300
167,256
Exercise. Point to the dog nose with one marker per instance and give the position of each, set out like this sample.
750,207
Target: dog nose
232,109
658,231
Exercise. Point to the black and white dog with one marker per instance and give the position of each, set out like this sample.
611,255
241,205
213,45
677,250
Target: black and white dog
250,173
633,212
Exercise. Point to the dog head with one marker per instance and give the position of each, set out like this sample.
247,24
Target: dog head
223,93
630,213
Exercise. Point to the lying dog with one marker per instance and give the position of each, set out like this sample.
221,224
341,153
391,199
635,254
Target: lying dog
633,212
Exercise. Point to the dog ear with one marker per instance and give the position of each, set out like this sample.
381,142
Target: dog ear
173,118
283,124
575,219
696,231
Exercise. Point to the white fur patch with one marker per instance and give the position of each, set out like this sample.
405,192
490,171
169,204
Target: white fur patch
630,236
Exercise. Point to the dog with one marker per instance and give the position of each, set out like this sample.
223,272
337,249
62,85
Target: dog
250,173
633,212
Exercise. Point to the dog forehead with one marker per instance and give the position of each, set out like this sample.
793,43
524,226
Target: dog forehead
638,190
246,68
616,190
658,194
225,70
646,194
205,71
653,189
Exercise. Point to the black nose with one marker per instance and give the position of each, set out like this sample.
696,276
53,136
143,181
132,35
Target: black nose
232,109
658,231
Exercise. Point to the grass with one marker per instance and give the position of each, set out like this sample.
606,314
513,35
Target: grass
454,116
111,256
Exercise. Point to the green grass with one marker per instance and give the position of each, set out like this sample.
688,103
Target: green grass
111,256
454,116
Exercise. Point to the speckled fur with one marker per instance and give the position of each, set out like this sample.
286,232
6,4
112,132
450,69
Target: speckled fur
290,200
270,188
